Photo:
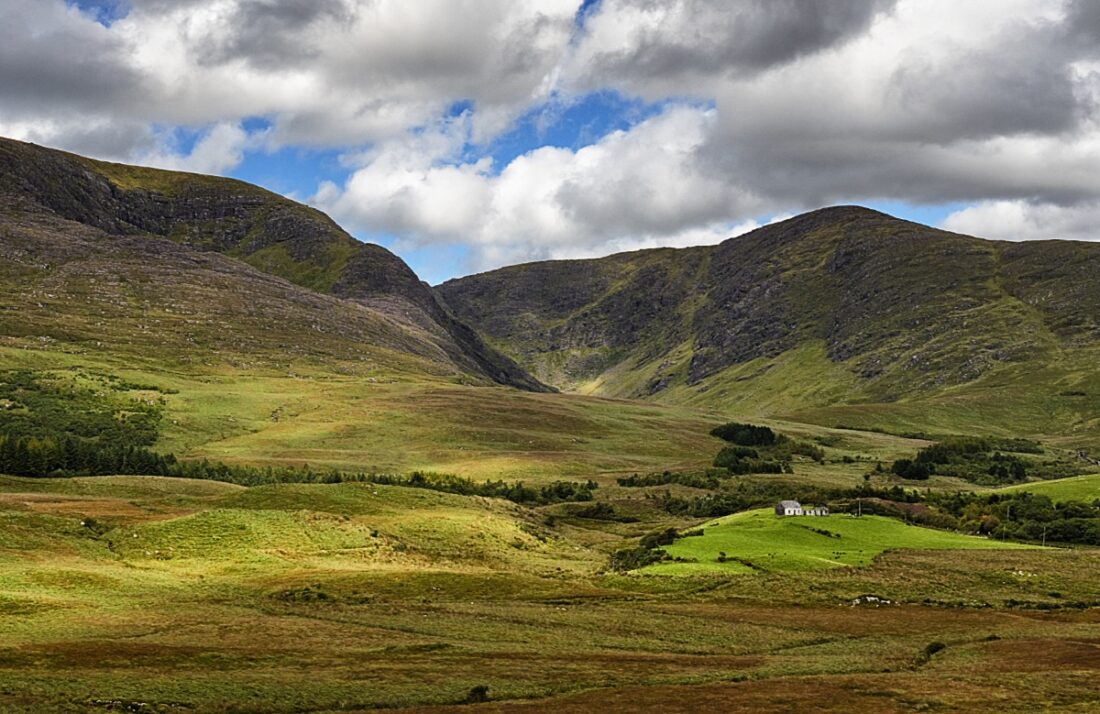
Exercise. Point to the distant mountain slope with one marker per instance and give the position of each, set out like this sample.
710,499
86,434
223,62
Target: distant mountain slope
843,305
71,287
267,231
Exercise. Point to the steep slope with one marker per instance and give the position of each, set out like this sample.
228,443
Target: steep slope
69,285
267,231
839,306
108,330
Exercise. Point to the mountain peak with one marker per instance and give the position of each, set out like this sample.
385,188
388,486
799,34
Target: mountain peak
253,225
886,307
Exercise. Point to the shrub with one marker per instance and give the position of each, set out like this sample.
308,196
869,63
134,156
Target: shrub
734,460
745,434
912,470
634,558
929,650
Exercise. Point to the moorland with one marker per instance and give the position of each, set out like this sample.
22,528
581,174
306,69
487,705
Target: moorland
253,465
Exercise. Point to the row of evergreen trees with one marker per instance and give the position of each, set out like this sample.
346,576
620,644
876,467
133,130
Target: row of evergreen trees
65,455
71,456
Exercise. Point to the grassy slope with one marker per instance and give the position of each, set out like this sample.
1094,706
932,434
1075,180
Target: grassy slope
48,196
1077,488
839,317
761,540
388,420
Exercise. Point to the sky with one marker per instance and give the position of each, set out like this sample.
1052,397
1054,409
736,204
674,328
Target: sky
470,134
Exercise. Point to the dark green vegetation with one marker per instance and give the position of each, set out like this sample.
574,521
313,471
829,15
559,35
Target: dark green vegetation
99,407
1022,516
745,434
988,462
405,528
840,316
759,450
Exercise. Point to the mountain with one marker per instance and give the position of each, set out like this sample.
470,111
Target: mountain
208,318
165,219
841,307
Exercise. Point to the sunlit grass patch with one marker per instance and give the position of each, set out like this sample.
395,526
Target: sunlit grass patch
761,541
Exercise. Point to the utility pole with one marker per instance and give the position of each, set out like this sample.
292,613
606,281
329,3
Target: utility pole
1044,535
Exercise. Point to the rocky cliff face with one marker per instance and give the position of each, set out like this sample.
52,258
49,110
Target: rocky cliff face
245,222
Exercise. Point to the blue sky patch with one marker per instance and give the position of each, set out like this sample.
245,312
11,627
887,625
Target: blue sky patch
105,12
571,124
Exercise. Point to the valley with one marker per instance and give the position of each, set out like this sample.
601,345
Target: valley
256,465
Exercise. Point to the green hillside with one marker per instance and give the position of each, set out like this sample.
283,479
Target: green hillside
160,323
1085,489
842,316
48,196
761,541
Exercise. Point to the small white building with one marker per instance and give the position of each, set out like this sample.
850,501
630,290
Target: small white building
794,508
788,508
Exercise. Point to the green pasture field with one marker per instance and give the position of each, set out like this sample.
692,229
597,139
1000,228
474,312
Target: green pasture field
1084,488
761,540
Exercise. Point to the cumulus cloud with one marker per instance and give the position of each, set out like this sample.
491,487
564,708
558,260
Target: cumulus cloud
220,148
682,47
54,61
767,107
326,72
1023,220
630,189
991,103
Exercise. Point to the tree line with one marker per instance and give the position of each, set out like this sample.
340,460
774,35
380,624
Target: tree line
67,456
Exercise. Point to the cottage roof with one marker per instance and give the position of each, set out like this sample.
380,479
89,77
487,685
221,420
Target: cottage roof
790,504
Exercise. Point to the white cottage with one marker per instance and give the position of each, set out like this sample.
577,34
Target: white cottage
788,508
794,508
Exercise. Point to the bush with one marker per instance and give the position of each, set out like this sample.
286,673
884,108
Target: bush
912,470
602,512
745,434
929,650
634,558
659,538
663,479
735,460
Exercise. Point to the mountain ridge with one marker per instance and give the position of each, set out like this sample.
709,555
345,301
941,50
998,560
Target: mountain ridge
877,309
248,223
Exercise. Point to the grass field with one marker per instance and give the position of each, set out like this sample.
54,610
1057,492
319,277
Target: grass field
208,597
388,419
1077,488
761,541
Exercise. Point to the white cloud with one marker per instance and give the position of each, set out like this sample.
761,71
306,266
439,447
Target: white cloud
687,47
1022,220
642,187
995,102
219,149
328,72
